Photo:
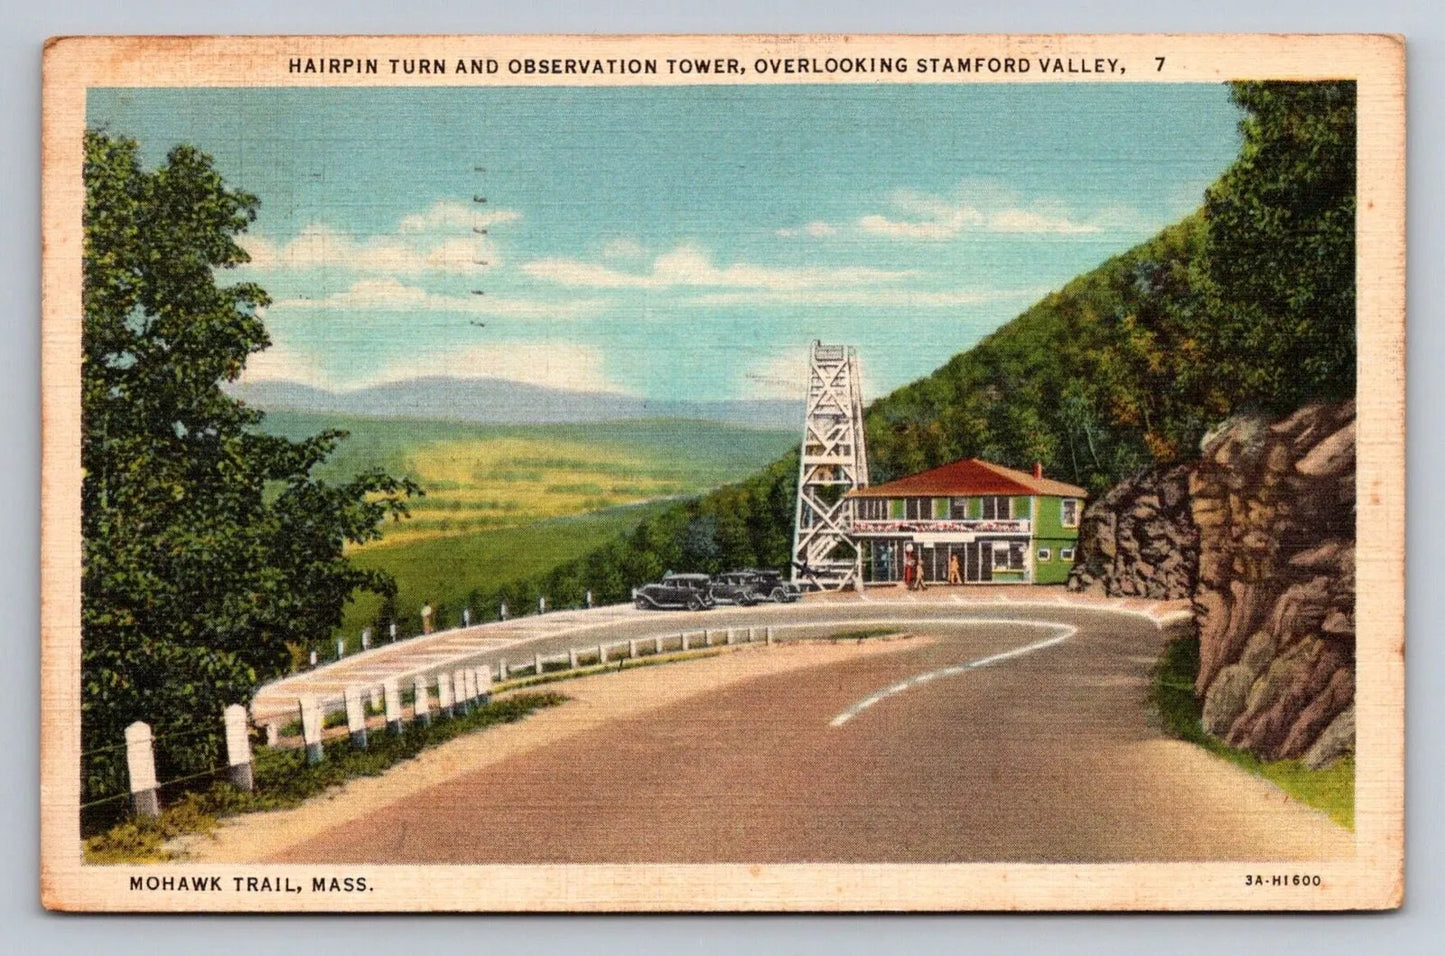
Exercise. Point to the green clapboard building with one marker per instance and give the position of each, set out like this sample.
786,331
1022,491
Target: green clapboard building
988,523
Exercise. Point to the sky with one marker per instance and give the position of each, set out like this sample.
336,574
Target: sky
675,242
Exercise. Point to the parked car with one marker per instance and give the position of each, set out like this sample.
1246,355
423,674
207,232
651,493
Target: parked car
737,587
770,586
691,591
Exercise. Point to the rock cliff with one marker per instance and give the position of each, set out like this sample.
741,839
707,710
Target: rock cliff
1139,539
1260,534
1275,597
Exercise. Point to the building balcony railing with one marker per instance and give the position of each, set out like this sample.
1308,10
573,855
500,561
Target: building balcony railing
942,525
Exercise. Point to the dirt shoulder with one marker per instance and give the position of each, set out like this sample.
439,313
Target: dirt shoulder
593,701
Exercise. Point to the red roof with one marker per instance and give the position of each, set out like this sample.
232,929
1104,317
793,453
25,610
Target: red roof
968,477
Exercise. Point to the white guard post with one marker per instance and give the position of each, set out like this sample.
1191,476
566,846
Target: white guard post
444,694
311,728
356,717
140,761
238,748
391,695
422,706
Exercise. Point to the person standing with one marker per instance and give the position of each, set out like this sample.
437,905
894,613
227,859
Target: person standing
955,573
426,617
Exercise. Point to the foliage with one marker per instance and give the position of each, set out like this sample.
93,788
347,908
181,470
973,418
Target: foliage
1281,248
208,548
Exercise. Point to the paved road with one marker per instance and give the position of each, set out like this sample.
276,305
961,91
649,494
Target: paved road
1028,742
517,640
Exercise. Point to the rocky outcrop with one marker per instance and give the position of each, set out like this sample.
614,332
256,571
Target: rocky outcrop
1274,505
1260,534
1139,539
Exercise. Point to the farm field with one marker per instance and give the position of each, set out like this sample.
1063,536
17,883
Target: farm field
508,502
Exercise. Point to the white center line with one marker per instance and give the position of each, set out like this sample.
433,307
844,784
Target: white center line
1063,633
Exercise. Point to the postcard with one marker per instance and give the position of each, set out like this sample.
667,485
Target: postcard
723,473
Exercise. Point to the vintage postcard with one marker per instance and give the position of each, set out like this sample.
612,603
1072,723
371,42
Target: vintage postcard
708,473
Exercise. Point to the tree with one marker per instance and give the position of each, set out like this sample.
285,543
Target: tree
208,549
1281,249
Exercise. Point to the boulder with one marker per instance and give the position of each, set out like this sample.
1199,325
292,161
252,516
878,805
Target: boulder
1226,698
1335,741
1139,539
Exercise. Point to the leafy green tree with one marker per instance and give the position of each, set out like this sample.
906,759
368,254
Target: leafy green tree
1281,250
210,554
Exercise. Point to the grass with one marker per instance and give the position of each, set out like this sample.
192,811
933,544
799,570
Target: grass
446,570
1330,789
284,779
480,477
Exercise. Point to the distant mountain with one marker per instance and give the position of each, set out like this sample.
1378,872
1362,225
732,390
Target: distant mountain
498,402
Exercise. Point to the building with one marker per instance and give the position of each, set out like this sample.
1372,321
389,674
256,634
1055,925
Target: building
1001,524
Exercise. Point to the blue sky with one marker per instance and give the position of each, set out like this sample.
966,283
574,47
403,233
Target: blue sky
676,242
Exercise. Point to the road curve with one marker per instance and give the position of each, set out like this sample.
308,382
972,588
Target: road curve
517,640
1031,742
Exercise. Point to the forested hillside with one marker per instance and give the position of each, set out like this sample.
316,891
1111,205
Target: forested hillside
1246,304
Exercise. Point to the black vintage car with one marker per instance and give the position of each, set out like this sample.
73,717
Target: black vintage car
770,586
737,587
691,591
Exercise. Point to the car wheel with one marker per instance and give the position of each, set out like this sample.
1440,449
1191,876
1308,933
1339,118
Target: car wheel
642,603
694,603
779,595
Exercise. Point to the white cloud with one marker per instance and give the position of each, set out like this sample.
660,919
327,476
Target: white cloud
878,298
690,266
977,207
577,368
392,295
931,218
440,239
319,246
448,216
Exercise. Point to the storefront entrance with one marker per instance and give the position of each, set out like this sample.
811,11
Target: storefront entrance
883,559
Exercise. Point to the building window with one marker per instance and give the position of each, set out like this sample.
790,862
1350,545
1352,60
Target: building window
958,509
1066,554
1069,512
872,509
997,507
1008,555
920,509
1044,555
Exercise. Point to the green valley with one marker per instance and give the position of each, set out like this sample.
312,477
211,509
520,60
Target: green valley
504,503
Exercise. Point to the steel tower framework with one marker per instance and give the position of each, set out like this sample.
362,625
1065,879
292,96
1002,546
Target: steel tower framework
832,461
